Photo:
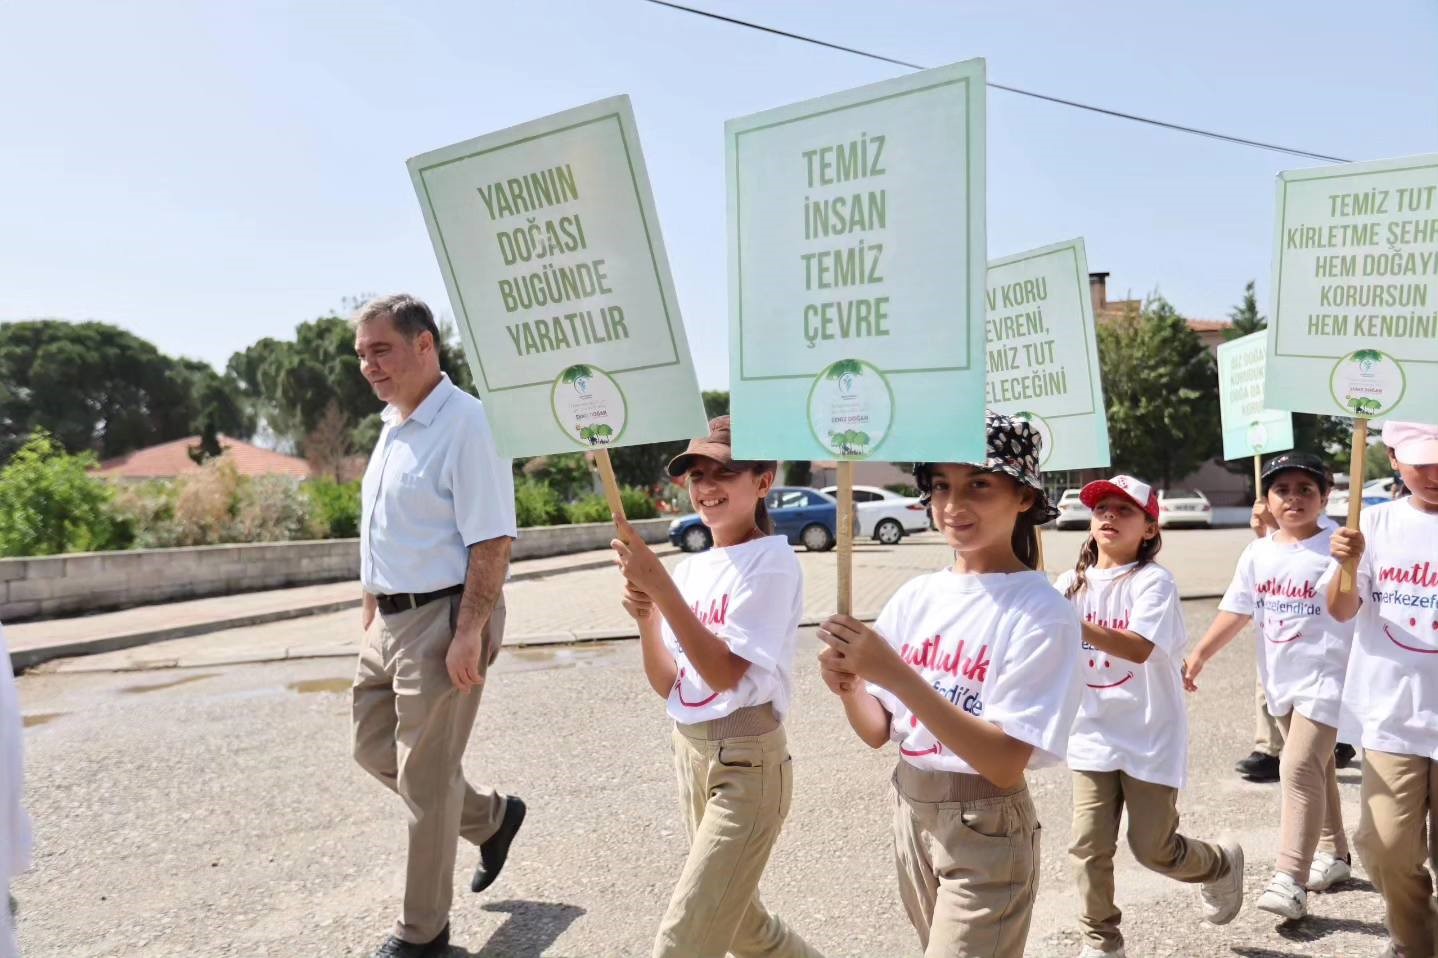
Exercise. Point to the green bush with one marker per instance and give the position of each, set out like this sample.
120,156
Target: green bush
593,508
49,503
537,504
273,509
337,506
147,509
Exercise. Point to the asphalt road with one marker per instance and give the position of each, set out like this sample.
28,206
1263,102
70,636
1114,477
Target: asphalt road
217,812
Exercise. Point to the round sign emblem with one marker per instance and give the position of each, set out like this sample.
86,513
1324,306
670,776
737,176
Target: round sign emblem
1367,383
850,408
1257,436
588,405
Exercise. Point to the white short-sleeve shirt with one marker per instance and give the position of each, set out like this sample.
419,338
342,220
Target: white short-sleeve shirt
1000,646
1390,691
1132,716
435,486
752,597
1302,650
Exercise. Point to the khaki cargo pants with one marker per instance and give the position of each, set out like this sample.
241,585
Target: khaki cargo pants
968,860
411,726
735,792
1398,793
1099,799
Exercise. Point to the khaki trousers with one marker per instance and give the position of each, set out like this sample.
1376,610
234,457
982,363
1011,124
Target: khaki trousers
1312,815
1267,735
968,869
1099,800
1398,791
411,726
735,795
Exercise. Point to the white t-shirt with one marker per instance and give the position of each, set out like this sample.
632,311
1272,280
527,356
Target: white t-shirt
1000,646
751,596
1391,689
1131,716
1302,651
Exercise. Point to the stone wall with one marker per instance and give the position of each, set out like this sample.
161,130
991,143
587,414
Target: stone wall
100,581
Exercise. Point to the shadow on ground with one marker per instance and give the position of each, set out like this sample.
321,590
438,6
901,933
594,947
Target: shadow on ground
529,930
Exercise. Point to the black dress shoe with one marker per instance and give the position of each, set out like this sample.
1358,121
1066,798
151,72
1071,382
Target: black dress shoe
1259,767
493,853
1343,754
399,948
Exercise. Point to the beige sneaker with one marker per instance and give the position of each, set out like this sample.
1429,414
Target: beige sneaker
1284,898
1223,897
1328,870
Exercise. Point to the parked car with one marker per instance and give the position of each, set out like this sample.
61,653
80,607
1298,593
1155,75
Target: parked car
806,517
1338,501
1073,514
885,515
1184,507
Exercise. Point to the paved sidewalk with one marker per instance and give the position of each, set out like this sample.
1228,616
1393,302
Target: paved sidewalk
556,601
32,643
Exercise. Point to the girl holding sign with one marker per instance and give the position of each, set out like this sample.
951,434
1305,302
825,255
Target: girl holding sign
1302,657
969,670
717,638
1392,681
1129,748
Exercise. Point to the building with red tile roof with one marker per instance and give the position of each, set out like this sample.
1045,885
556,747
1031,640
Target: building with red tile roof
170,460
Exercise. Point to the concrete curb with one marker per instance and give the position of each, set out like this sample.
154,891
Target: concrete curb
29,658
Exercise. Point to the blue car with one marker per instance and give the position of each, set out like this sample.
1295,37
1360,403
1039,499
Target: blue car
806,517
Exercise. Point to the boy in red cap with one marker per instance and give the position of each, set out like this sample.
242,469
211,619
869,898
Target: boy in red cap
1392,682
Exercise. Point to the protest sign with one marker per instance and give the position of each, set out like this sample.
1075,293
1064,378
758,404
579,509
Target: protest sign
549,244
1354,327
856,277
1249,427
1043,354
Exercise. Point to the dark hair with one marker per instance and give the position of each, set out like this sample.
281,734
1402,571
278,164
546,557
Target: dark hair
409,315
1088,555
1025,541
761,508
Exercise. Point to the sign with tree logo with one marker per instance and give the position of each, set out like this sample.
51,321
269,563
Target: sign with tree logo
550,247
856,266
1043,354
1355,291
1249,428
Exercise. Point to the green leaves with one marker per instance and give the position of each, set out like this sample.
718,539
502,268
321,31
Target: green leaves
845,367
50,504
575,373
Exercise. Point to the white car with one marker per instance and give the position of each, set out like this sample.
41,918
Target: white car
1183,507
885,515
1073,514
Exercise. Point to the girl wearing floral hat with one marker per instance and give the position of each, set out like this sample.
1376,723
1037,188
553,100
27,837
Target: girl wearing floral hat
969,670
1129,747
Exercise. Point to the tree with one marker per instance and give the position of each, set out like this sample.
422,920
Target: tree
49,503
1245,317
96,387
328,444
798,472
1160,389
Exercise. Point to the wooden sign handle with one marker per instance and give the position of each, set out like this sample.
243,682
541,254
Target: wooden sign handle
1257,476
611,486
1355,496
846,537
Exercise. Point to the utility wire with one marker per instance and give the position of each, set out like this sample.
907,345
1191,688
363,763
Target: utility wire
1241,141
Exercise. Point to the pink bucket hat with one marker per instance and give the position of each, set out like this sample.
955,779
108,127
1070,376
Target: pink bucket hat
1413,443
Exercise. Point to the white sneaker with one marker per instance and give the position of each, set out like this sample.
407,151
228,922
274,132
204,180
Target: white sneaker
1089,951
1284,898
1328,870
1223,897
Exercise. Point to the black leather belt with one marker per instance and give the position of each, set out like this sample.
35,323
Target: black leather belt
404,601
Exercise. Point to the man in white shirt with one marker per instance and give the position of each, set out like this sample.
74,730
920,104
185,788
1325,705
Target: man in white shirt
436,526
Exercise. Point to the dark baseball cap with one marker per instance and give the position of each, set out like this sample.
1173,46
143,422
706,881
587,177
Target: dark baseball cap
716,446
1301,461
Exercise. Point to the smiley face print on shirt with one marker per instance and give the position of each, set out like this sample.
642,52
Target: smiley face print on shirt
1101,670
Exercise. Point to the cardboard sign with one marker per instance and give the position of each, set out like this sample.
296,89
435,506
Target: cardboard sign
1043,354
1354,328
1249,429
856,272
550,248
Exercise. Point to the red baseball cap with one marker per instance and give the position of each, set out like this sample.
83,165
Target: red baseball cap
1139,493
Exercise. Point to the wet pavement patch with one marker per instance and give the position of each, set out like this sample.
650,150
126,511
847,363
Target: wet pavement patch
41,718
186,680
310,686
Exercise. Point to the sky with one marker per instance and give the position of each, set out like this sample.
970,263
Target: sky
207,174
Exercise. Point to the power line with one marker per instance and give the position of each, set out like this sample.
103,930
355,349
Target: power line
1241,141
